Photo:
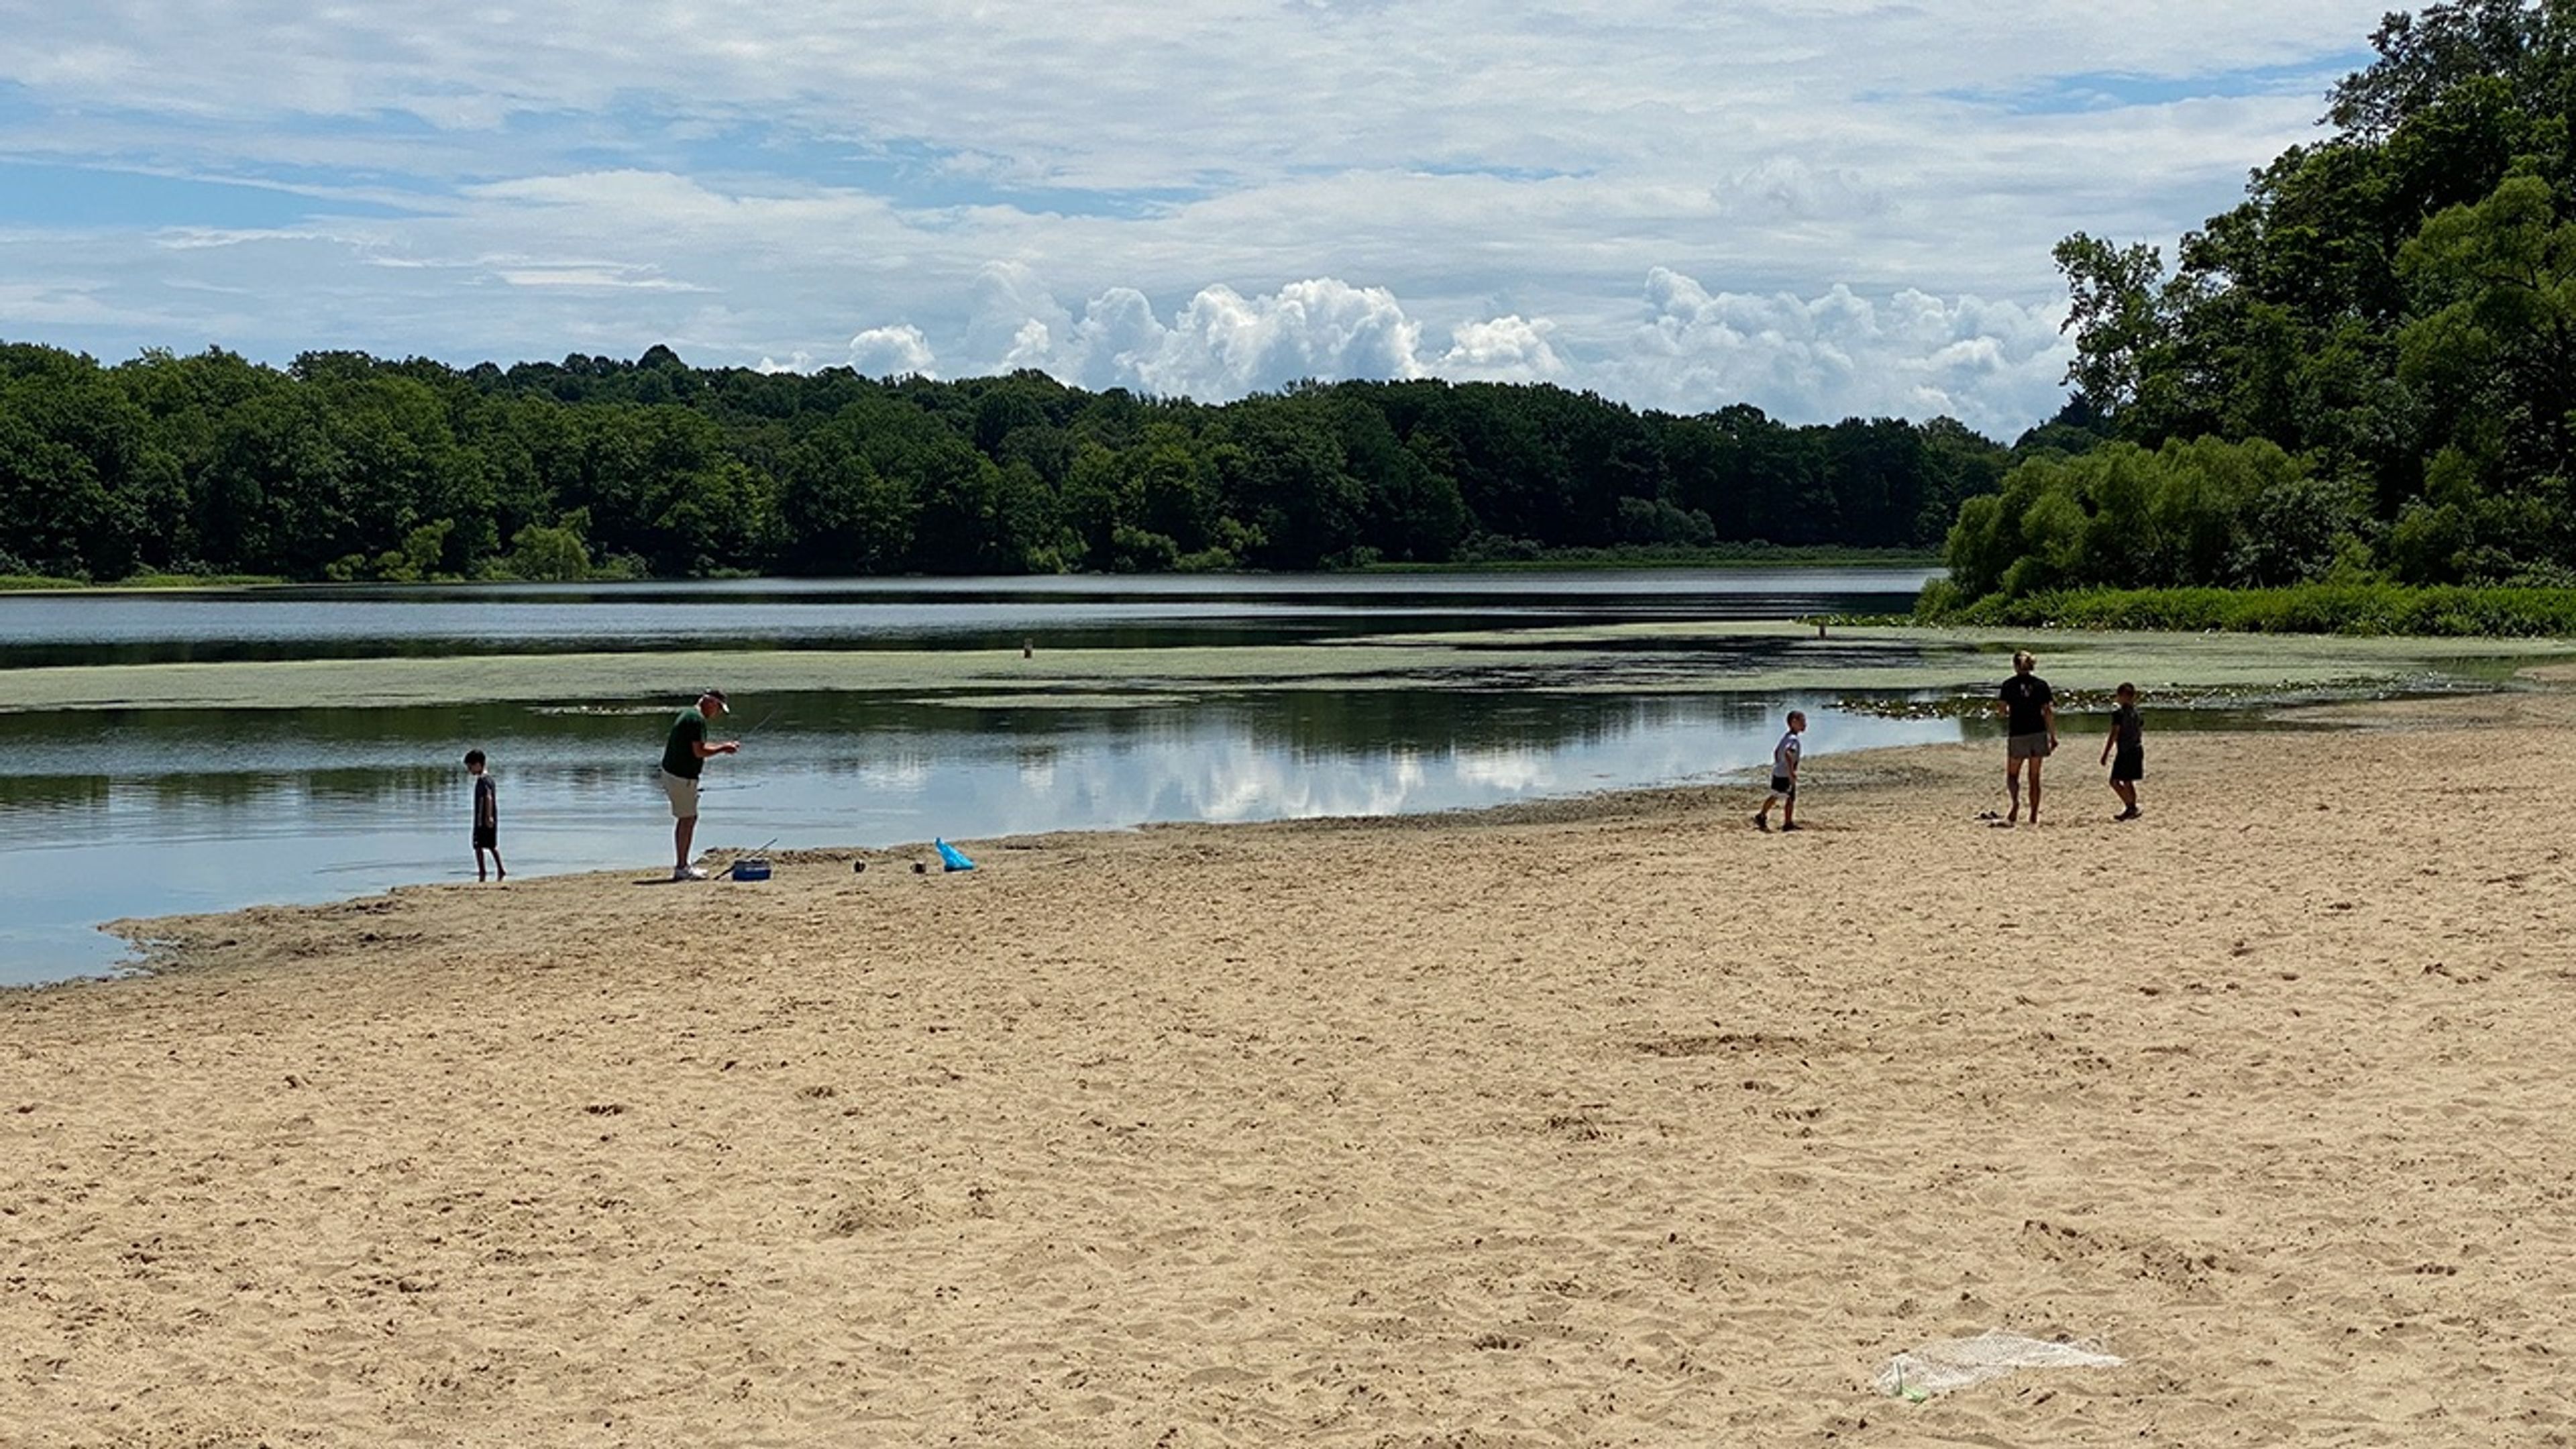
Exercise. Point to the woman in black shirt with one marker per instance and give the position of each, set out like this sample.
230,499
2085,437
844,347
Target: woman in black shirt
2030,714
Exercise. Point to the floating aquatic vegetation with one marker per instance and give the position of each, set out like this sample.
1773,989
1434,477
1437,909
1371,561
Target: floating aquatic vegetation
1665,656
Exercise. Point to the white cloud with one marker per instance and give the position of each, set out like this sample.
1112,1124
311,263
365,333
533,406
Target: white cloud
1219,344
898,351
1993,365
599,278
1501,349
1014,320
1226,343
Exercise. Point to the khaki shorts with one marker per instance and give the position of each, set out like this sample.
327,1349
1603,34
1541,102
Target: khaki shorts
684,796
2027,747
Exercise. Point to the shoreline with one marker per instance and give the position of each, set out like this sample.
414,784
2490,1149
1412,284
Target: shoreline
67,946
1868,769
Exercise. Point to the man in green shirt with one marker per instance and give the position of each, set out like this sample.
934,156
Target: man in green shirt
684,758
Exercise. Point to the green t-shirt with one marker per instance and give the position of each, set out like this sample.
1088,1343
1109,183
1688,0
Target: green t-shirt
680,755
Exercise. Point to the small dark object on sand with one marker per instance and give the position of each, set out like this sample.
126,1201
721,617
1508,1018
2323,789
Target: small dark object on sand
858,867
920,869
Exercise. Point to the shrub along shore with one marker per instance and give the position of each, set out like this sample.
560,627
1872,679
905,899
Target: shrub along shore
2444,612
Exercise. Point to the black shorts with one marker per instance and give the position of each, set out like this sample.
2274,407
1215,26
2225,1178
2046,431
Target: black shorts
1784,785
487,837
2128,764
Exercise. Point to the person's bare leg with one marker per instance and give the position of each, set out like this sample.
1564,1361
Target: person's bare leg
499,872
2012,782
682,830
2034,789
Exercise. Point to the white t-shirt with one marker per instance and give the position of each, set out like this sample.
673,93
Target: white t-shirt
1784,760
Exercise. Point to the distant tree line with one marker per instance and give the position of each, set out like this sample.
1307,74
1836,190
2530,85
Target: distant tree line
2366,371
344,466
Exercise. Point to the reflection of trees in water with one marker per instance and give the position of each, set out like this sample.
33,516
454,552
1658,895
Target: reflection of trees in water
423,789
54,793
409,753
284,793
397,767
1364,722
170,792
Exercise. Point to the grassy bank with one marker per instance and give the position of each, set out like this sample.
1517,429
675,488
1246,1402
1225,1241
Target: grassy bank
2359,609
1739,555
46,583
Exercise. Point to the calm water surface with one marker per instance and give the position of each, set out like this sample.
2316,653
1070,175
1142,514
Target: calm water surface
1054,612
147,812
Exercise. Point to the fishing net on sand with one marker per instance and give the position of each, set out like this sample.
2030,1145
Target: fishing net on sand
1937,1368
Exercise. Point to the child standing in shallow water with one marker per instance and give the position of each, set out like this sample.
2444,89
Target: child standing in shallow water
2126,749
1784,777
487,817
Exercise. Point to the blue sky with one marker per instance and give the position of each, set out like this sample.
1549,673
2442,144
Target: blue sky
1821,207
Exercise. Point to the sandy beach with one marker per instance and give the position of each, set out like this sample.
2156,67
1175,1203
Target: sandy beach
1611,1122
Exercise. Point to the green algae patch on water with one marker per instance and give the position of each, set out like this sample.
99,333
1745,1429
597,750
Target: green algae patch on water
1658,657
1782,657
1549,635
1067,699
551,678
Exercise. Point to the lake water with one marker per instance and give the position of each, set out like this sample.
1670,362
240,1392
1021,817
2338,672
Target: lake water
114,813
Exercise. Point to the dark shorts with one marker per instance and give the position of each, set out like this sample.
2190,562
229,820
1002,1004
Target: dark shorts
2128,766
1784,785
487,837
2027,747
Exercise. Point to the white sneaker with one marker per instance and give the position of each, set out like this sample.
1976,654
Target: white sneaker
687,872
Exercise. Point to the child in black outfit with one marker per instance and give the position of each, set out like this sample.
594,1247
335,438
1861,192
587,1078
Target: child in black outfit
487,817
2126,750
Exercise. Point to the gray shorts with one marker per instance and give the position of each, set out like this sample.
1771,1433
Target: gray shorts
684,795
2027,747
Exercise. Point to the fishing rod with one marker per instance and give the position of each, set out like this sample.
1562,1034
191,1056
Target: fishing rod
738,739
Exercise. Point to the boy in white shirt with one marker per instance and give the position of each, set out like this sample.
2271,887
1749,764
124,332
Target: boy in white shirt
1784,777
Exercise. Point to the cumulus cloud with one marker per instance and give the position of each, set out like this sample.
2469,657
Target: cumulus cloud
1502,349
1226,342
897,351
1015,320
1218,344
1222,344
1996,366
